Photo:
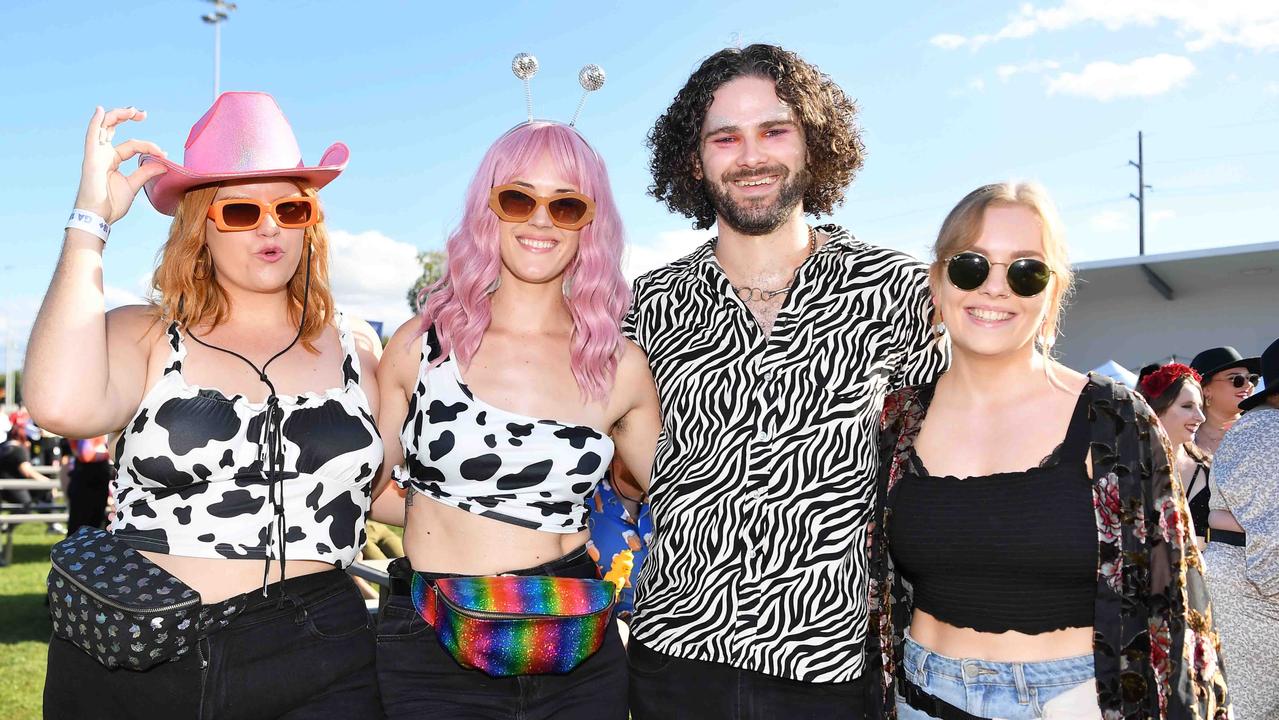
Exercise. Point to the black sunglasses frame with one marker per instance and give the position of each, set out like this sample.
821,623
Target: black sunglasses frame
1240,380
1013,273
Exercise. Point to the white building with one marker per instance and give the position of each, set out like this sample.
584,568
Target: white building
1153,308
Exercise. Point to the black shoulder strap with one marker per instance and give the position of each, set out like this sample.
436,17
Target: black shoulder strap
432,344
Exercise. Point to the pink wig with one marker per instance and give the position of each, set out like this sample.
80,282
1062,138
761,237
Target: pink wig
458,305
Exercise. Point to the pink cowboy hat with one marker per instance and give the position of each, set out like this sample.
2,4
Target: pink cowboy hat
244,135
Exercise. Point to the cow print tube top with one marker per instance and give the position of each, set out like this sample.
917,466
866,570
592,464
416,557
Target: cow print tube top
192,472
473,456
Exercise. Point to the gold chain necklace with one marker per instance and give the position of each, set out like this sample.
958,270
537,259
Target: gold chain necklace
748,293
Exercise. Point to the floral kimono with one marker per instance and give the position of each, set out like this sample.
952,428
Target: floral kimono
1155,649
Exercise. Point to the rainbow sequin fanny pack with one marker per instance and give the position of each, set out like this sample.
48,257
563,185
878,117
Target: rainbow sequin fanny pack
517,625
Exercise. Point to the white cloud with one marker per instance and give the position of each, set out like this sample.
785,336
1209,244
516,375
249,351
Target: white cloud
670,245
1272,88
371,273
1034,67
1253,24
1160,216
116,297
1109,221
1143,77
948,41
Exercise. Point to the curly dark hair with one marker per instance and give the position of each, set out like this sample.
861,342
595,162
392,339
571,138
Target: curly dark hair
827,115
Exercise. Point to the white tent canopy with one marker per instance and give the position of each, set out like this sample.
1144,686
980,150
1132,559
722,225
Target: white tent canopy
1117,372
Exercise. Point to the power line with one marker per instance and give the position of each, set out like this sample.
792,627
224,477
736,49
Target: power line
1209,158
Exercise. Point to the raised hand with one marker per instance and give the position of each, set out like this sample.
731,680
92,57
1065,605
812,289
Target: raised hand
103,188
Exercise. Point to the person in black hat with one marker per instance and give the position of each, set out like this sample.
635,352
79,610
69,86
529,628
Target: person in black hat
1270,373
1243,577
1228,378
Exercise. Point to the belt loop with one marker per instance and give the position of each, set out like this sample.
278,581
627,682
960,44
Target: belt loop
921,667
1023,690
299,607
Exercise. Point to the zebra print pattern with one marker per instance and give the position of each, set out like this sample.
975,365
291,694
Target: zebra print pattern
763,483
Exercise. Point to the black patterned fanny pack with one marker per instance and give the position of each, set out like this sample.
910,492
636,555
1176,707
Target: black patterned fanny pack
110,601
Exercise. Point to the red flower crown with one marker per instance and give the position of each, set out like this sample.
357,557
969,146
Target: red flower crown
1157,382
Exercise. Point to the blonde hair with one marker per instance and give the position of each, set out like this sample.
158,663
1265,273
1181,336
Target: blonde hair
962,228
185,283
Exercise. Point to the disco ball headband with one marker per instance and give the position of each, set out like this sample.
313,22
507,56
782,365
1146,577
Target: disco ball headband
525,66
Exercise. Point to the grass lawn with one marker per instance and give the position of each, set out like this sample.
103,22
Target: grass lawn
24,623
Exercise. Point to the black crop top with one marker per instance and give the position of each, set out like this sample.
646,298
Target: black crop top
1010,551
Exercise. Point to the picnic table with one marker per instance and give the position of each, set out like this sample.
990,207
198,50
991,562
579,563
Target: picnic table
20,514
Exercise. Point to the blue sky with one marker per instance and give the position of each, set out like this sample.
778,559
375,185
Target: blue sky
952,95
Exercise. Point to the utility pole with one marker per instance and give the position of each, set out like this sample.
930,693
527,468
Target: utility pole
1159,284
1140,197
216,18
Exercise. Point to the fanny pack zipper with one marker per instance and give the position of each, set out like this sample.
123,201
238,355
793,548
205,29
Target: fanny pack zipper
493,615
117,606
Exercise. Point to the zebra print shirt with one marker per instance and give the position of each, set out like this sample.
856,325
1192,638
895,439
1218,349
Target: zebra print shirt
763,483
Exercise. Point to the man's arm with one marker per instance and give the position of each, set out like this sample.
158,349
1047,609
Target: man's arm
925,355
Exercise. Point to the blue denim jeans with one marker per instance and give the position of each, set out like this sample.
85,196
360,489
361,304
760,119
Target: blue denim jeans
1014,691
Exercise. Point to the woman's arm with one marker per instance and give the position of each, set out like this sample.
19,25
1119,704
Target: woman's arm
640,420
397,376
369,347
85,368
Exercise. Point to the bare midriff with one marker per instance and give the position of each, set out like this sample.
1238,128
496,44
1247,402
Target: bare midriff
1006,647
217,579
1224,520
442,538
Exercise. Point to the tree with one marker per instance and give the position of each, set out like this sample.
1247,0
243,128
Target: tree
432,270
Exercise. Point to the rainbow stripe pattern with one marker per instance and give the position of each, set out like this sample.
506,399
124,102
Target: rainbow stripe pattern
517,625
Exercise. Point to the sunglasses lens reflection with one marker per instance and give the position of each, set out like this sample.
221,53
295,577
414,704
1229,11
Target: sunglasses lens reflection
516,204
241,215
1028,277
567,211
294,212
967,271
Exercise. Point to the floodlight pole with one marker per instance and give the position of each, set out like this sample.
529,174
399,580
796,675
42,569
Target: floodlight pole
221,8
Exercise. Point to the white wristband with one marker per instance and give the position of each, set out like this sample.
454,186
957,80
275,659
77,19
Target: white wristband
90,222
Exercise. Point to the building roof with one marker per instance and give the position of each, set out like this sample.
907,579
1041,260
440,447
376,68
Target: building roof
1255,264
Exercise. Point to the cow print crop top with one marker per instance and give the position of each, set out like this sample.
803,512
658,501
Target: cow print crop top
463,452
193,478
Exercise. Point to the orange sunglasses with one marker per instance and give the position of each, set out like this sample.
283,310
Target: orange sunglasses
567,210
235,214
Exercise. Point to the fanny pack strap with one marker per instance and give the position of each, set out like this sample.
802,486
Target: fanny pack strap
430,608
922,700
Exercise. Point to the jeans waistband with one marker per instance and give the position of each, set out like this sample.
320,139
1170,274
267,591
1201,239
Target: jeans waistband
302,589
919,662
577,563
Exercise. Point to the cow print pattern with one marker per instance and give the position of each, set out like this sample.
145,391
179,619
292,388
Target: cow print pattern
470,455
191,469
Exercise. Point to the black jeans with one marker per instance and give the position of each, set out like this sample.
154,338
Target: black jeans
666,687
311,658
420,679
